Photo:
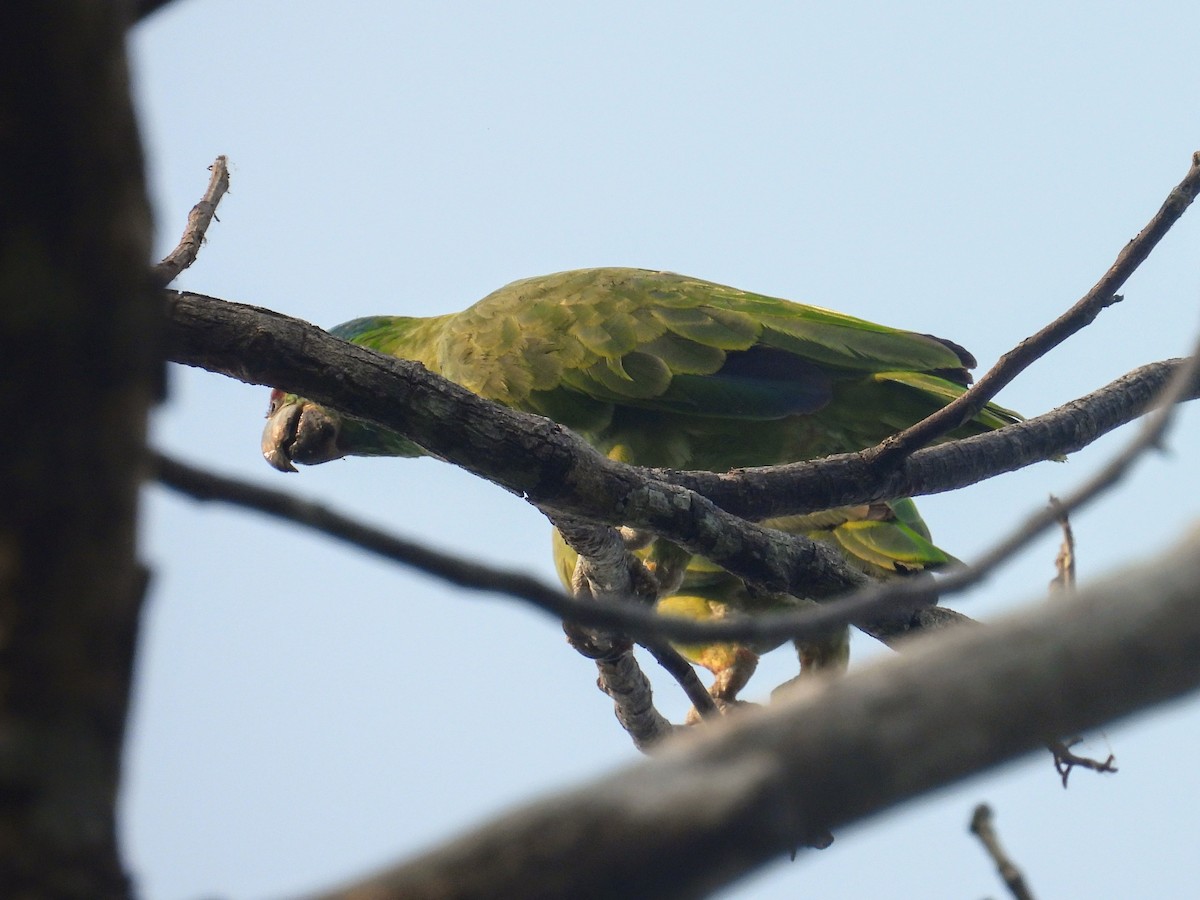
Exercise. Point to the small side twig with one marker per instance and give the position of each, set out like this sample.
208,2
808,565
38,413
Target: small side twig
201,216
982,828
1065,760
1064,562
1149,436
623,680
1103,294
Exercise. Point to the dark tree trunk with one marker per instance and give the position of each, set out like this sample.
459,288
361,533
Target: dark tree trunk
79,368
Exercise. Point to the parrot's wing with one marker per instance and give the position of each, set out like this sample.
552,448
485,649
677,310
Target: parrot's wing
670,343
660,369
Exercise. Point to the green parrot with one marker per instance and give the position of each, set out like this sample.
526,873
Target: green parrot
659,369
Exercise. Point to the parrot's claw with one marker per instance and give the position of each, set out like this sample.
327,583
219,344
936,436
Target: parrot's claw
724,707
634,538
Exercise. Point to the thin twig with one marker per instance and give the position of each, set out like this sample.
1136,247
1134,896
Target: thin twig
845,480
201,216
1154,427
982,828
1012,363
1064,561
1066,761
200,484
1149,436
682,671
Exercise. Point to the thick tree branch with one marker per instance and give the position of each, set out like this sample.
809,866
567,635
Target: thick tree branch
270,349
144,8
1103,294
714,807
886,611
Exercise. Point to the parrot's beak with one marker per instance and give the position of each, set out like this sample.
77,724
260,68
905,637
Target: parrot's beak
300,432
278,435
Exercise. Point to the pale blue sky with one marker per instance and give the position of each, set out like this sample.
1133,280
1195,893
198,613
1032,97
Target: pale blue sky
304,712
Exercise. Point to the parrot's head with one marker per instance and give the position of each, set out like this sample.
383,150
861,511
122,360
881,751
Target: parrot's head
304,432
299,431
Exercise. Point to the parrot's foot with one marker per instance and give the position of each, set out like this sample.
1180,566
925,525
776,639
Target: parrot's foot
669,562
724,707
828,656
634,539
803,680
729,681
831,654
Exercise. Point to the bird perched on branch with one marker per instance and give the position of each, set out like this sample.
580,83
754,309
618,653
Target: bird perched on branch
658,369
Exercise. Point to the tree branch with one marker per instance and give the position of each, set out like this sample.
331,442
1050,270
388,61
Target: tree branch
200,484
712,808
144,8
982,828
607,573
848,479
201,216
1102,295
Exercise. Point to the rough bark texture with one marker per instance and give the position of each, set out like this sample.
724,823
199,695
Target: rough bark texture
78,356
849,478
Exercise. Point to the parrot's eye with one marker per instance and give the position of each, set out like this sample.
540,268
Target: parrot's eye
276,397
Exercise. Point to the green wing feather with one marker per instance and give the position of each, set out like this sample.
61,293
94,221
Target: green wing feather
627,356
588,320
663,369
